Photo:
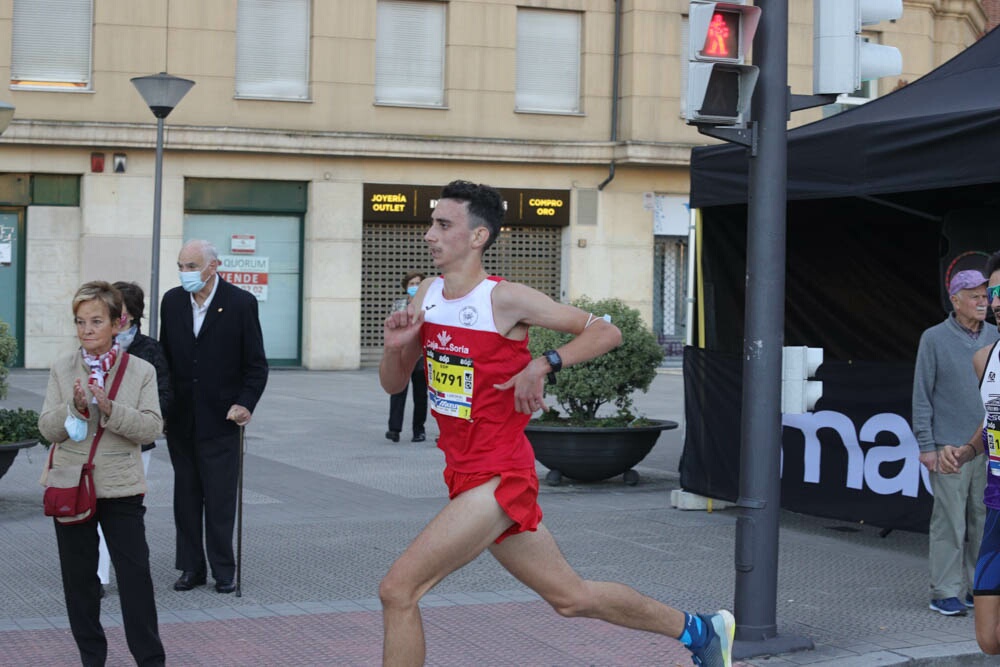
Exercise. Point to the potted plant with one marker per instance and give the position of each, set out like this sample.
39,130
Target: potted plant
18,427
583,442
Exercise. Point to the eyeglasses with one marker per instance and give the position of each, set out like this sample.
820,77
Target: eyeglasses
992,293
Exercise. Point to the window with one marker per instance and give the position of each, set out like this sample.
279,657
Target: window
272,49
409,53
51,44
548,61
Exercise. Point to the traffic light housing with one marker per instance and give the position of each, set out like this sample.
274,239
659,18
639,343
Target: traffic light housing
842,59
719,84
799,394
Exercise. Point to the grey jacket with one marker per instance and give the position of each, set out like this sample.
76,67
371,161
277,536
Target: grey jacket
135,419
947,407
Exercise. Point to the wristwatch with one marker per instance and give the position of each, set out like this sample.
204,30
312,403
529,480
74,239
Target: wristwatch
555,362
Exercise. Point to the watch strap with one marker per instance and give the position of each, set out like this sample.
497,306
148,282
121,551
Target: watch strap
555,363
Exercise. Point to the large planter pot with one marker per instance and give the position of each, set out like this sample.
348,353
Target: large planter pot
9,450
590,454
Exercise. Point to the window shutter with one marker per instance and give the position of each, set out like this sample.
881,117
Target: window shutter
548,61
272,49
51,42
409,53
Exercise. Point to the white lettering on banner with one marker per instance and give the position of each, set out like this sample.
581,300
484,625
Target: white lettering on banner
863,468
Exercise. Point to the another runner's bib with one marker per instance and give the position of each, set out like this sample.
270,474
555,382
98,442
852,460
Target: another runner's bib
989,389
465,356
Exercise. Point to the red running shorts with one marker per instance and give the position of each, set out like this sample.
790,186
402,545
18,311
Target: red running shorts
517,495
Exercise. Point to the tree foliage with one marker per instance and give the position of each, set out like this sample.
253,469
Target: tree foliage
612,378
20,424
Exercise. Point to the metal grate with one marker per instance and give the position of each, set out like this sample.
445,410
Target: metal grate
670,285
529,255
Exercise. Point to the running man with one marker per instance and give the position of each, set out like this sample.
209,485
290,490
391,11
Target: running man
986,583
472,329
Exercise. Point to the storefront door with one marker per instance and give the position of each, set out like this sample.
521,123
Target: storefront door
261,254
12,276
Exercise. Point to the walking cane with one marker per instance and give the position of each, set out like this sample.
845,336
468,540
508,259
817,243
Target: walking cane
239,521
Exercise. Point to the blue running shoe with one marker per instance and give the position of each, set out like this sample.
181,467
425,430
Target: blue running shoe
949,607
718,652
969,601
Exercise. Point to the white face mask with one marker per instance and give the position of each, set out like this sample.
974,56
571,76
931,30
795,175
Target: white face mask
126,337
76,428
191,280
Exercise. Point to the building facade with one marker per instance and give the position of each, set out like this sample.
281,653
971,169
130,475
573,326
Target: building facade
317,134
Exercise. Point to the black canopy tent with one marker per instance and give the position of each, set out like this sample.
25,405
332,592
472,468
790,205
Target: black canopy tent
885,201
879,197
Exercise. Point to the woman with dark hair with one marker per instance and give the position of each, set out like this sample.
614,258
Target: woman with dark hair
132,339
77,405
397,402
140,345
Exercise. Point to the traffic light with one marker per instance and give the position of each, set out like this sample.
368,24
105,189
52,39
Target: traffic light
798,393
719,83
842,58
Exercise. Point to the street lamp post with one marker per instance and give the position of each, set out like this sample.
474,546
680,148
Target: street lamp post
161,92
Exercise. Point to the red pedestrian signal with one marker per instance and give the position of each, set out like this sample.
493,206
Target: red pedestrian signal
722,38
720,83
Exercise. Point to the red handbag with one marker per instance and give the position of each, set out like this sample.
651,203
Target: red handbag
70,495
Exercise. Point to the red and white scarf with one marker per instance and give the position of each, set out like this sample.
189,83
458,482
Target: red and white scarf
99,366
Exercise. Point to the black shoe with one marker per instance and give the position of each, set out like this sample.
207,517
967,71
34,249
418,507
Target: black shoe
392,435
189,580
225,585
419,437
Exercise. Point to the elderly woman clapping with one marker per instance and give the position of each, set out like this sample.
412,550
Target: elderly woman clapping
77,403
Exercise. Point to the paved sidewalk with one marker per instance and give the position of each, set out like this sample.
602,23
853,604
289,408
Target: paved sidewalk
329,504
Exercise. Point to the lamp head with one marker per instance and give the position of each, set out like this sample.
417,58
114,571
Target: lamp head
162,92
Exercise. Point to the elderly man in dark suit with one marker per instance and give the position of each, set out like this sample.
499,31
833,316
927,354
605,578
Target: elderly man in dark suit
211,337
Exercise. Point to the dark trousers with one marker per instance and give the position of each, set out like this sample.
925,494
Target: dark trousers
397,402
124,529
206,473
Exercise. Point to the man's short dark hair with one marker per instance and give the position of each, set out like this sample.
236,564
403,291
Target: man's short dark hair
133,298
485,205
992,264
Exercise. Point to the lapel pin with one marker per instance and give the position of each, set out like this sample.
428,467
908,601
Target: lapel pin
220,310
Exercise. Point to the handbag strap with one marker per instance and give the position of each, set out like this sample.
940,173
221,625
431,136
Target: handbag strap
111,396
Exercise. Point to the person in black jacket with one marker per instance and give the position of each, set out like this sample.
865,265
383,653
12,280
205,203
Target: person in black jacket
132,340
211,337
397,402
139,344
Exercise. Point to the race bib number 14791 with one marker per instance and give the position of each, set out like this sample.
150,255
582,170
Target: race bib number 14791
449,384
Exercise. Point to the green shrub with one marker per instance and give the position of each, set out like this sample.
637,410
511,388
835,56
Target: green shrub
19,425
582,389
8,353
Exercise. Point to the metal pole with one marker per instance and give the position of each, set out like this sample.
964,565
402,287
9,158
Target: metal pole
154,278
691,277
760,485
239,521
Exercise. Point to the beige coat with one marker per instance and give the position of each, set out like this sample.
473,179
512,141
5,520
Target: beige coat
135,418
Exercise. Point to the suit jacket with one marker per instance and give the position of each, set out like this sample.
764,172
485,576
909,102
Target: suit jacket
224,365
